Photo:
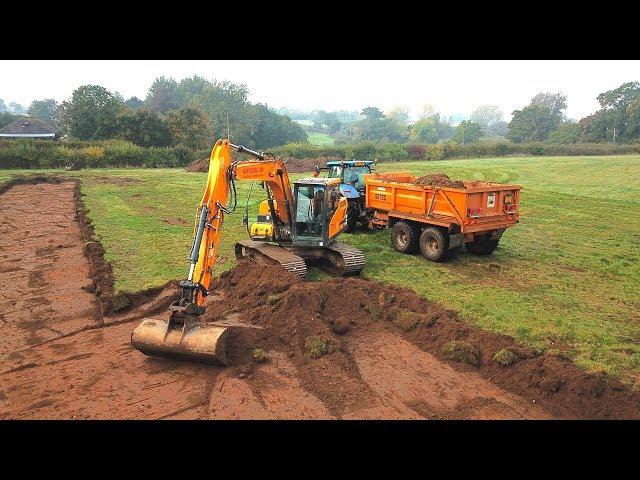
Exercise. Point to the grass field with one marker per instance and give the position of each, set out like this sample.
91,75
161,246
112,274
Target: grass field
566,279
320,139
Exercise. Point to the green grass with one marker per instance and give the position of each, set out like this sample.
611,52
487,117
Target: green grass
567,278
320,139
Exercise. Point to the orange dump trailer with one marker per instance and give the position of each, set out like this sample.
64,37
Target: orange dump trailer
437,219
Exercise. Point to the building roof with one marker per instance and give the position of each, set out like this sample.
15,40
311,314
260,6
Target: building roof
29,128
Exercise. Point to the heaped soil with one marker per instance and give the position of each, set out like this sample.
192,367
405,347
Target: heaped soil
294,165
438,180
340,348
201,166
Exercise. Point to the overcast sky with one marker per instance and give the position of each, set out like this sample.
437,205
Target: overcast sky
450,86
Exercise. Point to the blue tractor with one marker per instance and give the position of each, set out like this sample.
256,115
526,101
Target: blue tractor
350,173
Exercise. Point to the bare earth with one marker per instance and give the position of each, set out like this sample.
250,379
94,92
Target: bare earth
61,359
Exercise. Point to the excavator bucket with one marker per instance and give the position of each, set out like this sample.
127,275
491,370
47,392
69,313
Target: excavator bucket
186,338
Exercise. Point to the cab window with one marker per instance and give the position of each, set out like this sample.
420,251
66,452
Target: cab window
309,206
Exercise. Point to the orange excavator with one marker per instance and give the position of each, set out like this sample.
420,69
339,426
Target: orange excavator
295,226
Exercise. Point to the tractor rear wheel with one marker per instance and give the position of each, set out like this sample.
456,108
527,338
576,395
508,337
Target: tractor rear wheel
353,212
482,245
405,237
433,244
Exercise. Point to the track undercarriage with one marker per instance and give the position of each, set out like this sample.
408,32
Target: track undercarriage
338,258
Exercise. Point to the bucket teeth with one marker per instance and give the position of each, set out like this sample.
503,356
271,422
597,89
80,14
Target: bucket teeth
187,338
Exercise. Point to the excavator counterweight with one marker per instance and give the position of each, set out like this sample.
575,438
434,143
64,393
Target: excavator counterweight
296,226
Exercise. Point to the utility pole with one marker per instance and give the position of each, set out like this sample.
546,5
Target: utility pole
614,134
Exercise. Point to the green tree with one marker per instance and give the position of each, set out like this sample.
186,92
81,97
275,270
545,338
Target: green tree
399,114
620,97
143,127
3,107
162,95
17,108
189,127
567,132
189,88
556,102
617,118
90,114
376,128
272,129
46,110
134,103
7,117
225,100
486,115
424,130
490,119
467,132
372,113
330,119
632,131
533,123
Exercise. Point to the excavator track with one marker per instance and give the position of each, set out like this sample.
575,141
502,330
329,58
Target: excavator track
352,260
271,253
338,258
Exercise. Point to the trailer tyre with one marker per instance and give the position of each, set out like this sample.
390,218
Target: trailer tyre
405,237
482,245
433,244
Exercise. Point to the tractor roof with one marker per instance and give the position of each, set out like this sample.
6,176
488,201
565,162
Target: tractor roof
318,181
351,163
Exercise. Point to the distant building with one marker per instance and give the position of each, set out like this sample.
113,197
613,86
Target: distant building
28,127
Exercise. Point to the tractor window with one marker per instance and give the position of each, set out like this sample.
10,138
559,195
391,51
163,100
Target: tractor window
309,214
335,172
354,176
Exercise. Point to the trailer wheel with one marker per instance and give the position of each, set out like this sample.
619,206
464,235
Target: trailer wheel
433,244
482,245
405,237
353,212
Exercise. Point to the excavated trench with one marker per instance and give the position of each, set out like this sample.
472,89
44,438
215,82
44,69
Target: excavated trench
339,348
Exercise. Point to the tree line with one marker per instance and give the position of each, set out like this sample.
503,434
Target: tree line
542,120
192,113
372,124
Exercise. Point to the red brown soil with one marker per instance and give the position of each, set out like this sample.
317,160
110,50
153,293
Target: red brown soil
62,357
441,180
200,166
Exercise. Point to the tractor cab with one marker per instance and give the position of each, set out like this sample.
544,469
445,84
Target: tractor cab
350,173
320,211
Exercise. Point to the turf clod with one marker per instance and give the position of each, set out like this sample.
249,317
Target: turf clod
506,357
462,352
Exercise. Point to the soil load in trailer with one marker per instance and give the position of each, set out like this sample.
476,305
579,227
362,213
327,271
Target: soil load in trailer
340,348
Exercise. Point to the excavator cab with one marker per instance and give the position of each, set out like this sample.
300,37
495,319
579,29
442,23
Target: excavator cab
320,212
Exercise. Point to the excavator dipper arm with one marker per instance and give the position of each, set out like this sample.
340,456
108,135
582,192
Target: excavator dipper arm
183,334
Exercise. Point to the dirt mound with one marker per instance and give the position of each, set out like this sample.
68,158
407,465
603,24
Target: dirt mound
438,180
299,318
306,165
200,166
